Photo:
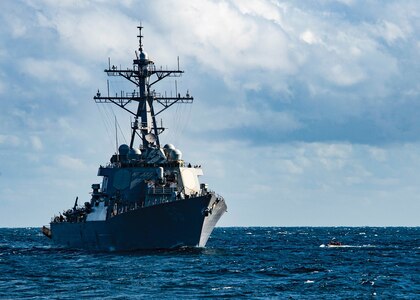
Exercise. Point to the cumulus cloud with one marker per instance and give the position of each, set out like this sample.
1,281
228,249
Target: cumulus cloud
36,143
17,27
89,31
310,179
69,162
49,70
309,37
314,105
391,32
2,85
9,140
225,39
311,56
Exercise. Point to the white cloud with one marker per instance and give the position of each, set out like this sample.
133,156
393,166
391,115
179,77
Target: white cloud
378,154
249,117
347,2
16,26
71,163
246,55
59,70
392,32
2,87
345,76
36,143
268,10
290,166
93,30
223,38
307,180
67,4
309,37
332,156
9,140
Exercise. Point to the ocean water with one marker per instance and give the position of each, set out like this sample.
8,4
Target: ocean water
254,263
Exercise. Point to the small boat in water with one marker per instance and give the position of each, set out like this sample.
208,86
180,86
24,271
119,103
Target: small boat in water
334,243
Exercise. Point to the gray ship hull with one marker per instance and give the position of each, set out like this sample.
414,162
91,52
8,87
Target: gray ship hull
187,222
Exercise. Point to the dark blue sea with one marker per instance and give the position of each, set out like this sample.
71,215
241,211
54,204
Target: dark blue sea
254,263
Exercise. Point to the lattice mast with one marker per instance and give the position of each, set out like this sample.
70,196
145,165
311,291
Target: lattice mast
144,124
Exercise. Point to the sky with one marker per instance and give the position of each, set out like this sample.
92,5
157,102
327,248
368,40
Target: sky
306,113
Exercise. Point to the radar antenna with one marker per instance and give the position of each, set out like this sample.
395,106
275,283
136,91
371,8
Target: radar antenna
140,36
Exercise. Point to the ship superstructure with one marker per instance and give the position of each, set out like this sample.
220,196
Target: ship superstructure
149,197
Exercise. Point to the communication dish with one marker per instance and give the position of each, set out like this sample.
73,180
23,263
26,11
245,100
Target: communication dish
150,137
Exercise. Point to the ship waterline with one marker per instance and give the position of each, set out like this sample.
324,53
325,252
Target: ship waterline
168,225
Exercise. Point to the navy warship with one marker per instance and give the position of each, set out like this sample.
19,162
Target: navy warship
149,197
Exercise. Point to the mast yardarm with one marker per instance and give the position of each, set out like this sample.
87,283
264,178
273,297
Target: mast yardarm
143,75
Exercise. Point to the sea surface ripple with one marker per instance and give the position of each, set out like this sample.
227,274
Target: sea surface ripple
254,262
